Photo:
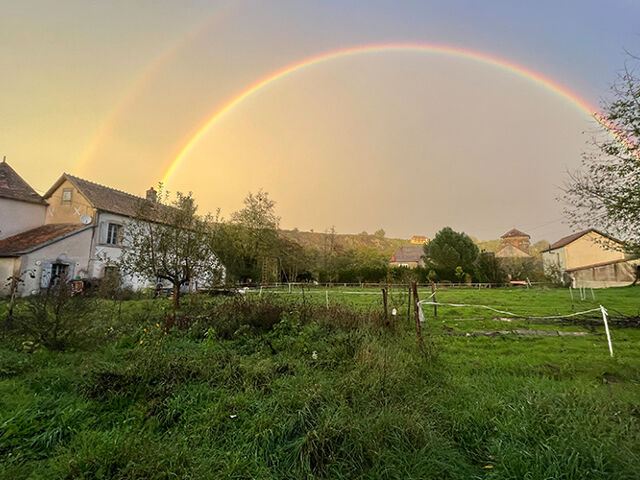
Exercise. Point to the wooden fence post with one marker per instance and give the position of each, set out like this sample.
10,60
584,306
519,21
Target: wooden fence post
409,305
384,303
416,313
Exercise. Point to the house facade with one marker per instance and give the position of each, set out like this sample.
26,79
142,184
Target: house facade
108,211
590,259
419,240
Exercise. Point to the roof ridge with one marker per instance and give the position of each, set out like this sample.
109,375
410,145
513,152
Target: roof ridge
104,186
14,187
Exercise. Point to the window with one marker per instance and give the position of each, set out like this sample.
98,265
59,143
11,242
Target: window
66,195
58,273
113,234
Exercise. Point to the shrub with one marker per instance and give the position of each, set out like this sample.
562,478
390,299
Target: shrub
55,319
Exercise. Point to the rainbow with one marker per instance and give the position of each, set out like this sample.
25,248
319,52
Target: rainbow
146,76
452,51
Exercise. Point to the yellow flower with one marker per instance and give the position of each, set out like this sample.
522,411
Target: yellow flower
141,342
144,329
157,325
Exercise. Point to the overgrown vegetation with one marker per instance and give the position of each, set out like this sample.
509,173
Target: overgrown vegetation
281,386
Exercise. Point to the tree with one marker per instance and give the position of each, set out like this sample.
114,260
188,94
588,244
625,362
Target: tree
449,250
605,193
256,230
172,243
380,233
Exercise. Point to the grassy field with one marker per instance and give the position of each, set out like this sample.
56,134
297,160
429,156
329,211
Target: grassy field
329,394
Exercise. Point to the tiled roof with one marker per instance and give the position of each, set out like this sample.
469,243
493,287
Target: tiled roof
408,254
574,236
114,201
514,232
12,186
37,237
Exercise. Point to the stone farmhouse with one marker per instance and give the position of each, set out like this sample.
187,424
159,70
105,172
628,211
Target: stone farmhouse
75,230
590,259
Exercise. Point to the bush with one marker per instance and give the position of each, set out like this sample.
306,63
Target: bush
56,319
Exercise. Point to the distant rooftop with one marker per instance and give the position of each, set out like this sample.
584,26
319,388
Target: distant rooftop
412,253
575,236
514,232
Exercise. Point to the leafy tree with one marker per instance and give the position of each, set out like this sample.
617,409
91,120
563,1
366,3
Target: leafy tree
255,228
523,268
175,246
449,250
489,269
380,233
605,193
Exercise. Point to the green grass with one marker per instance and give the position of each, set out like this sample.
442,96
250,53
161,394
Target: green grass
371,405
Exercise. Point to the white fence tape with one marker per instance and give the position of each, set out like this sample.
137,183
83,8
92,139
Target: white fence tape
606,329
425,302
600,309
420,312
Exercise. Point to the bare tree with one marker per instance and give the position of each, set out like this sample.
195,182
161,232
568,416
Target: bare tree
605,193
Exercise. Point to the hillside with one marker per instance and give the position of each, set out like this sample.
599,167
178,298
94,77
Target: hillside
344,241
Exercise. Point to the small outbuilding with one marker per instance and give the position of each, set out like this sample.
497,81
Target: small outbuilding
42,256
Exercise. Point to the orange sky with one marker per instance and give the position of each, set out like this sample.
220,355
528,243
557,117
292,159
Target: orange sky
402,141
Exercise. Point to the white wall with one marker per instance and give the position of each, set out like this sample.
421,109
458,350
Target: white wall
104,254
16,216
554,261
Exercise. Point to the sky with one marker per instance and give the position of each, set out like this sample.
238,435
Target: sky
407,141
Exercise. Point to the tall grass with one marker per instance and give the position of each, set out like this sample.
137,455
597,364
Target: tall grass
305,392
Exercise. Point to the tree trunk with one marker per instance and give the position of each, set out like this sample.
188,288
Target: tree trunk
176,297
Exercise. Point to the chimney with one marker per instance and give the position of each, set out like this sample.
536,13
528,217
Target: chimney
152,195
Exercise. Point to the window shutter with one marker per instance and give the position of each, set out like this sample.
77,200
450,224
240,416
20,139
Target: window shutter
103,232
45,278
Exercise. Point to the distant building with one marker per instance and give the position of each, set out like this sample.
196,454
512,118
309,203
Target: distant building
514,244
590,259
419,240
409,256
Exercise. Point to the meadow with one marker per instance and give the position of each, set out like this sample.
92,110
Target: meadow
277,385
